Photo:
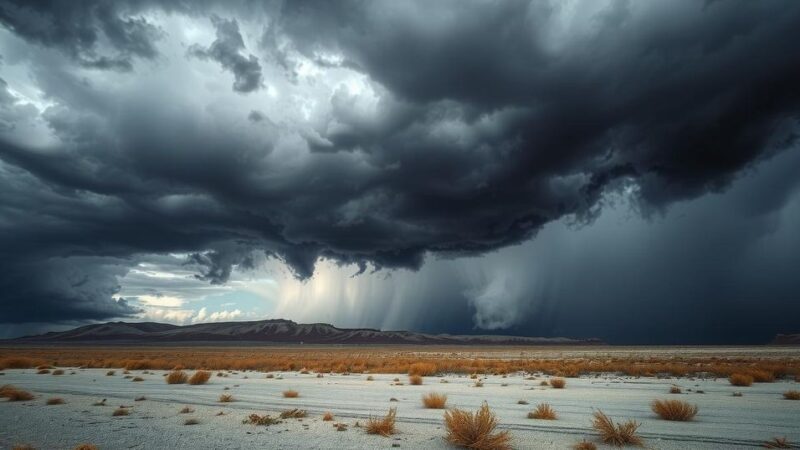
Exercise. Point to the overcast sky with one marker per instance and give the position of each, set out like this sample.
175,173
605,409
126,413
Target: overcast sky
627,170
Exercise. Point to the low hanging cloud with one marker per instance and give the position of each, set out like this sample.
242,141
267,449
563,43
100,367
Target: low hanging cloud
391,131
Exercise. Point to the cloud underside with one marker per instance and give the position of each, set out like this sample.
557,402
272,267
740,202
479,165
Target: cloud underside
391,130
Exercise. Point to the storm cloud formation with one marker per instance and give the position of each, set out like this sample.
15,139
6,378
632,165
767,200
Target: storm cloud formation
373,133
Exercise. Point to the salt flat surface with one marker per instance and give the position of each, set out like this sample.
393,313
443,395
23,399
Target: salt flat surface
724,421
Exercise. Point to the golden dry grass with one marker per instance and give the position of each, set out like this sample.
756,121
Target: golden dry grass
327,417
475,430
777,442
616,434
177,377
434,400
200,377
791,395
225,398
424,369
675,390
120,412
382,425
23,447
558,383
584,445
291,394
676,410
55,401
294,414
543,411
14,394
740,379
255,419
86,447
415,380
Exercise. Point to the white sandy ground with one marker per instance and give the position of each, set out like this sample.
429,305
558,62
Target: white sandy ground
724,421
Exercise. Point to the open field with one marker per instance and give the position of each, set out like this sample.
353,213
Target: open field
141,410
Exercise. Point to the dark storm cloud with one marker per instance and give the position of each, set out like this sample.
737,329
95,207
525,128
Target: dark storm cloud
489,122
227,51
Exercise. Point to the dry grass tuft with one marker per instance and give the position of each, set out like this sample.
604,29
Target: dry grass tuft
23,447
191,422
543,411
616,434
55,401
778,443
415,380
294,414
291,394
434,400
370,378
422,369
225,398
475,431
43,371
675,390
14,394
584,445
111,373
58,372
140,398
740,379
137,379
340,426
676,410
86,447
327,417
255,419
120,412
200,377
558,383
177,377
791,395
544,383
186,410
478,383
382,425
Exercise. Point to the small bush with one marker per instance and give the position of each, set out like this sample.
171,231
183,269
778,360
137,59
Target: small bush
544,383
382,425
543,411
675,390
415,380
14,394
58,372
791,395
86,447
475,431
327,417
200,377
137,379
778,443
370,378
740,379
186,410
616,434
558,383
110,373
584,445
434,400
255,419
291,394
676,410
294,414
225,398
177,377
120,412
191,422
55,401
43,371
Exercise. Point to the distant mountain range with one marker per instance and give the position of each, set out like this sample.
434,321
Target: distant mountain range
277,331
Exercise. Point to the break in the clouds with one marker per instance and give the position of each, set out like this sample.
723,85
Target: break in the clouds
387,135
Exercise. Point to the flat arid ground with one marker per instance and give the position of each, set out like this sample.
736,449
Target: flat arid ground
513,382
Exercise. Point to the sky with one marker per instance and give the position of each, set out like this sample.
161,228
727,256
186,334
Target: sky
624,170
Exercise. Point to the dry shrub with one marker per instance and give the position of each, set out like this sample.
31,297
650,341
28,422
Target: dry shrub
120,412
676,410
14,394
740,379
177,377
778,443
382,425
255,419
616,434
584,445
761,376
675,390
327,417
186,410
544,383
58,372
558,383
340,426
55,401
434,400
86,447
225,398
370,378
294,414
291,394
475,431
478,383
18,362
191,422
791,395
43,371
415,380
111,373
200,377
23,447
140,398
137,379
269,375
543,411
422,369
